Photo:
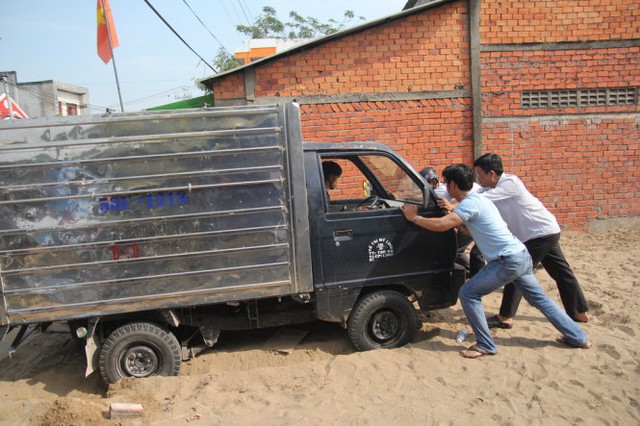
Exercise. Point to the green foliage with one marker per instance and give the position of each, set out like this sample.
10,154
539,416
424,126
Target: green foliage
225,60
268,25
264,26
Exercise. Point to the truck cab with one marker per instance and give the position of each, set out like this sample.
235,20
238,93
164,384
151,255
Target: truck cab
361,243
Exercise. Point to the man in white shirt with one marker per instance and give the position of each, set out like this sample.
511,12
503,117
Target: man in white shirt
538,229
508,262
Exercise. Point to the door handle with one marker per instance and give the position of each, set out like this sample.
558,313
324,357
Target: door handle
342,235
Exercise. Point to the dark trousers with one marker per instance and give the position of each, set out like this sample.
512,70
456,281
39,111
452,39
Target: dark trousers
546,250
475,260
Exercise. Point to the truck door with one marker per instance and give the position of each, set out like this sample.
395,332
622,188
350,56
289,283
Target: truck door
364,240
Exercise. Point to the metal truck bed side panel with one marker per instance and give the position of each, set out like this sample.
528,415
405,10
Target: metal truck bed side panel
127,212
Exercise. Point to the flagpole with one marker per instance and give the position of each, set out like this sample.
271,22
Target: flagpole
113,58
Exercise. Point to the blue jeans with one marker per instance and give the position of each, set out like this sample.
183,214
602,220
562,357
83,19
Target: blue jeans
514,268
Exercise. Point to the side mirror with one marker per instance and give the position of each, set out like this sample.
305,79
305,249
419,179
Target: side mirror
368,189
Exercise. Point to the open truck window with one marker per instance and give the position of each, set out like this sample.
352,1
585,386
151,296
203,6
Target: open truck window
371,181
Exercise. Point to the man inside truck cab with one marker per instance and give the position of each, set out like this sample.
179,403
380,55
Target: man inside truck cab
332,172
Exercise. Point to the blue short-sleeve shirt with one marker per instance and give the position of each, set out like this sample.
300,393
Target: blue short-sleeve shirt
487,228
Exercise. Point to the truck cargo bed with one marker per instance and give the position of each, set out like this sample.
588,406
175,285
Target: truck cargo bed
129,212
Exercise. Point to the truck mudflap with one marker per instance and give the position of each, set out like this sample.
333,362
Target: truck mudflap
442,292
4,329
24,331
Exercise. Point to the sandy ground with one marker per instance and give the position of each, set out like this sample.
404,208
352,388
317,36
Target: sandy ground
532,380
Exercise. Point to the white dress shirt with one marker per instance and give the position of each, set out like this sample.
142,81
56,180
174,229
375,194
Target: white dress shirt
441,191
526,216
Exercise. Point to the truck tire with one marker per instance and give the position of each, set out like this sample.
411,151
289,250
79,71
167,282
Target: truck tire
384,319
139,349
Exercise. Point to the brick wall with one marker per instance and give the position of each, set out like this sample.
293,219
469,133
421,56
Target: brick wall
231,87
506,74
433,132
421,52
581,169
546,21
581,162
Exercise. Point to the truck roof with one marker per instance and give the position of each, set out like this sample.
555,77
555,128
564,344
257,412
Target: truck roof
346,146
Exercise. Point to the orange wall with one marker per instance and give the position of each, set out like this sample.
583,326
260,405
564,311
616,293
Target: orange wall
254,54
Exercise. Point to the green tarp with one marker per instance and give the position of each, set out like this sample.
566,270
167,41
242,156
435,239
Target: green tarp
198,102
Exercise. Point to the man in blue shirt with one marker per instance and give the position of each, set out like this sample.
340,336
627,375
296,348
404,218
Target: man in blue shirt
507,261
474,261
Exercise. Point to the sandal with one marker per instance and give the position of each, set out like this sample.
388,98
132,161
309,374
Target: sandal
473,352
495,322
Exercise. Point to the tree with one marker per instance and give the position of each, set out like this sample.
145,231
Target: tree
224,60
268,25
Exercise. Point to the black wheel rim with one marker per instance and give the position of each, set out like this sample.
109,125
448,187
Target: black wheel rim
385,326
139,361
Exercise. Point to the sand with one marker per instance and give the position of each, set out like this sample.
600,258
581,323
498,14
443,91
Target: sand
246,380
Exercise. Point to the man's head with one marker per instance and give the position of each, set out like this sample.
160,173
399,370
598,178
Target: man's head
332,172
458,178
488,168
430,175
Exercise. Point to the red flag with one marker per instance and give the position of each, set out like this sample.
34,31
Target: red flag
105,18
15,109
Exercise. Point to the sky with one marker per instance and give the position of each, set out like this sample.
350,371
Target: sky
56,40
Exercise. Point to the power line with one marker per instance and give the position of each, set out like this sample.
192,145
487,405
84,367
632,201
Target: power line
178,35
198,18
158,94
46,98
244,12
235,12
248,12
226,11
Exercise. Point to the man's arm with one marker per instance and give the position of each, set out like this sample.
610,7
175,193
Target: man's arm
438,224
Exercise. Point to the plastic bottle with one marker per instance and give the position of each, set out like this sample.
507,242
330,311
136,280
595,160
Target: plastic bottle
461,335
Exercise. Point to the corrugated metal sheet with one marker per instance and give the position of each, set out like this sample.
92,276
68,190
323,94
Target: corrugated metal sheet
129,212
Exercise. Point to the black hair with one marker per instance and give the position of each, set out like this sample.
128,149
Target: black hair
331,168
461,174
429,174
488,162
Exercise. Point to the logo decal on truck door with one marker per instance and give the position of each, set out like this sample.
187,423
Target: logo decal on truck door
380,248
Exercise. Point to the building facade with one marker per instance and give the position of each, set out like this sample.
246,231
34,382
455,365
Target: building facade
48,98
551,86
256,49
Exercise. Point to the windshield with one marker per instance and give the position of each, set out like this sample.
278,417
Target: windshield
394,180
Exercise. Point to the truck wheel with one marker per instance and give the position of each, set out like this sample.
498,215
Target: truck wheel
139,349
384,319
